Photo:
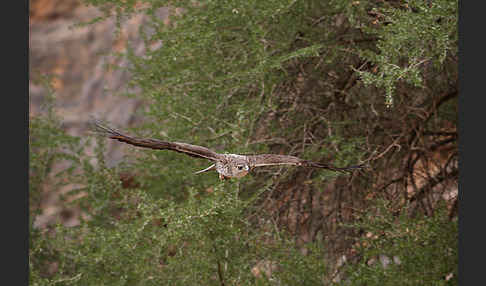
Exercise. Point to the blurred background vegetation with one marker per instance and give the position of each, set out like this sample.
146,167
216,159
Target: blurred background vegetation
343,82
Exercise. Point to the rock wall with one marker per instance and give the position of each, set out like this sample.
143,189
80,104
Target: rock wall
77,58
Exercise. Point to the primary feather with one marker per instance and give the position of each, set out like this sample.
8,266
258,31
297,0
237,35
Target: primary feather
189,149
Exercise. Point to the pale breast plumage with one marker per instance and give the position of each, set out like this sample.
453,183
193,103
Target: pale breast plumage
233,165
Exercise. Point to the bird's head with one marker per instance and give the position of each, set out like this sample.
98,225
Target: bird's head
239,170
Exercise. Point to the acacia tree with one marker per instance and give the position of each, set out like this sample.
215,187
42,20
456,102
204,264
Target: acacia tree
340,81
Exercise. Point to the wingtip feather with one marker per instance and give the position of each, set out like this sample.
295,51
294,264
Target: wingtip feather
100,128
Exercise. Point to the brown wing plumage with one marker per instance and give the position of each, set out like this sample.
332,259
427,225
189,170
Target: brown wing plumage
274,159
191,150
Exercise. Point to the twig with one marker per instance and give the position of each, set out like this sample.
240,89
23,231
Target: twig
220,271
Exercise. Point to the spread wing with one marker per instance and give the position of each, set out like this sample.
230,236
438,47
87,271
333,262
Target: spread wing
274,159
191,150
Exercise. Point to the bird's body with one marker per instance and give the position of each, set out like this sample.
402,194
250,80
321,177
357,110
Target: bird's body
227,165
232,165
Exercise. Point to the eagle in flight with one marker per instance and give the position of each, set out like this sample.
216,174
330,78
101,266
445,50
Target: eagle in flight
227,165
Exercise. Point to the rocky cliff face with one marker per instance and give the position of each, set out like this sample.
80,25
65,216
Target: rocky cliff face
77,58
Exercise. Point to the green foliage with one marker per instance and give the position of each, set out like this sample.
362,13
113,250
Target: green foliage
214,78
48,144
246,77
410,34
426,248
133,238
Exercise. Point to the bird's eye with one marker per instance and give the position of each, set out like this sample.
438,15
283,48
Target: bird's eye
242,167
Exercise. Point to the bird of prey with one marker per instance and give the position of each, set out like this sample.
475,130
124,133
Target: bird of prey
227,165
